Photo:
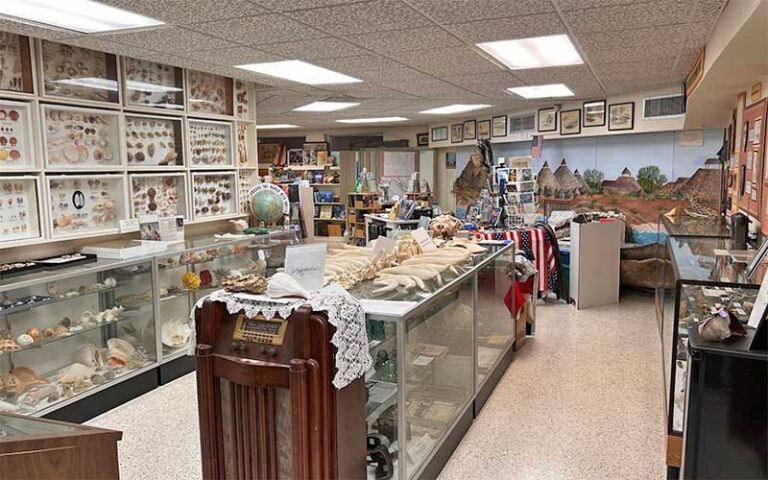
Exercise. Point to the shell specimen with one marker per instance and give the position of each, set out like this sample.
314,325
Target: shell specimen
248,284
88,355
190,281
176,333
121,353
27,378
24,340
283,285
75,374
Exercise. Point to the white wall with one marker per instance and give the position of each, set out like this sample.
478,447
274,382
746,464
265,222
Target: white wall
407,132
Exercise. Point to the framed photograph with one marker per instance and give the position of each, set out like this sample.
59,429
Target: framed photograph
547,120
450,160
499,126
422,139
312,155
594,114
483,129
439,134
570,122
295,156
470,130
457,133
621,116
271,153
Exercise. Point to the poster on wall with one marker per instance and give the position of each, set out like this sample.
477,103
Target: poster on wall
439,134
570,122
470,132
499,126
483,129
457,133
621,116
691,138
594,114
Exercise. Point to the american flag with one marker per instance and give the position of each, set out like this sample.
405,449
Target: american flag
537,143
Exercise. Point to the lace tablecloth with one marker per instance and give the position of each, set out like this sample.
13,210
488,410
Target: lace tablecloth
343,310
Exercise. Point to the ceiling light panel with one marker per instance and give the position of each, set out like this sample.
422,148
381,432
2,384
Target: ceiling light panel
374,120
84,16
542,91
325,106
536,52
456,108
301,72
275,126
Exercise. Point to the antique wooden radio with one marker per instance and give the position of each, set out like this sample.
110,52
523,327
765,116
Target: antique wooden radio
267,407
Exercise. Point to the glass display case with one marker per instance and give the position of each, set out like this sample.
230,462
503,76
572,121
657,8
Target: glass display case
19,206
214,195
210,144
80,138
153,85
16,74
153,142
70,332
687,226
16,140
77,73
432,353
209,94
163,194
85,205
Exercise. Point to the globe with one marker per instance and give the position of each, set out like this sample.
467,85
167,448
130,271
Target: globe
267,205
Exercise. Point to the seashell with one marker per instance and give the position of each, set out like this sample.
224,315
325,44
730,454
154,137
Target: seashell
110,282
82,153
120,352
8,407
175,333
10,383
714,329
87,317
151,150
60,330
28,378
88,355
75,373
52,288
9,345
25,340
38,393
283,285
98,379
65,322
36,334
70,153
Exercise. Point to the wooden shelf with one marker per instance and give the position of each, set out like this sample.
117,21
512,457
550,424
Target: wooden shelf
330,219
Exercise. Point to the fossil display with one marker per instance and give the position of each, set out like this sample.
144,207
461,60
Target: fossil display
208,93
210,144
150,84
79,72
213,194
11,62
254,283
81,204
18,209
160,195
152,142
81,138
242,146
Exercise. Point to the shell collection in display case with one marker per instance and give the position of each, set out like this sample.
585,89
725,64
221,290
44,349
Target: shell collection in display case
16,152
246,179
14,62
209,93
242,144
153,142
18,208
210,144
160,194
214,194
150,84
243,100
81,139
78,73
85,204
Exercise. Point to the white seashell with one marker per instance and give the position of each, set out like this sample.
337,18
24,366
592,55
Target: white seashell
714,329
235,274
25,340
87,317
110,282
283,285
175,333
75,373
88,355
7,407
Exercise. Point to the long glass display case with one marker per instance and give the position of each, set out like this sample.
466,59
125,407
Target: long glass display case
436,351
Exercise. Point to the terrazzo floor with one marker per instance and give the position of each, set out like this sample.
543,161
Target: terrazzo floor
582,400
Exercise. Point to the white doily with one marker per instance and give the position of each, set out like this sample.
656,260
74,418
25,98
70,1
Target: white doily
344,312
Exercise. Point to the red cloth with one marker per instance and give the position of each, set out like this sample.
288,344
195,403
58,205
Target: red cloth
515,291
536,244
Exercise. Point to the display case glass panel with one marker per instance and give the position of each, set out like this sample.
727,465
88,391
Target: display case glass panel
210,144
15,58
86,205
81,139
161,194
208,93
153,142
154,85
72,331
19,217
78,73
16,140
214,194
244,100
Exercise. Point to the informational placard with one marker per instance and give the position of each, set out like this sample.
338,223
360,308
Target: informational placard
306,263
425,241
383,245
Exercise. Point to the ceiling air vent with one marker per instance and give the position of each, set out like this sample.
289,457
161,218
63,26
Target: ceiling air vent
664,106
523,123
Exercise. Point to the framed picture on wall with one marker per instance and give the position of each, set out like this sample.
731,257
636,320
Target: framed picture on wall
483,129
570,122
315,153
594,114
422,139
547,119
439,134
457,133
621,116
295,156
499,126
470,130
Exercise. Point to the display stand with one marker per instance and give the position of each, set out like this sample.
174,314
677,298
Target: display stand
595,258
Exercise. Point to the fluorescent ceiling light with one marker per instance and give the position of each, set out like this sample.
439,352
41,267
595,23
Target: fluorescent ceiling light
542,91
457,108
374,120
325,106
84,16
275,126
298,71
537,52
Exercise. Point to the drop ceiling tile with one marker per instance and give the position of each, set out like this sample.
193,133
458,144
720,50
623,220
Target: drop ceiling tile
626,17
638,37
572,74
634,86
402,40
314,49
698,32
396,75
168,40
637,54
707,10
493,90
361,63
280,104
364,91
447,61
585,4
181,12
509,28
289,5
259,29
491,78
232,56
361,18
97,43
33,31
633,70
460,11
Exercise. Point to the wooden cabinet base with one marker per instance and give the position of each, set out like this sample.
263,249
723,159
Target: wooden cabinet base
674,450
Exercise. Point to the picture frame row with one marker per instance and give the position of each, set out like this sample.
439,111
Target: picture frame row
71,74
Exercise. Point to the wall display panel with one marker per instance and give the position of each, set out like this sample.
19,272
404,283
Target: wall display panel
15,59
81,139
16,140
244,134
19,209
78,73
214,194
153,142
208,93
244,101
85,205
160,194
245,180
210,144
153,85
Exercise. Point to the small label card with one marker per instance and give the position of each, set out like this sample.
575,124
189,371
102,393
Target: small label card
425,241
383,245
306,263
129,225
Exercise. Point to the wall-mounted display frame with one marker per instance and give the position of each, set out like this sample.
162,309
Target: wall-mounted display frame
245,133
209,94
439,134
315,153
499,126
244,101
621,116
214,195
152,85
78,74
483,129
78,139
162,194
246,178
16,60
210,144
422,139
457,133
273,154
85,205
17,146
594,113
153,142
547,119
470,130
570,122
20,212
